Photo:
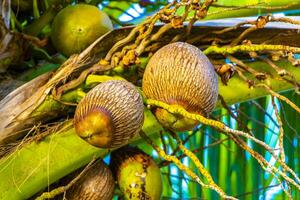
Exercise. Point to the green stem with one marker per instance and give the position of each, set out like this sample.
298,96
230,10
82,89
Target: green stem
241,89
263,7
50,104
36,11
46,4
14,20
37,26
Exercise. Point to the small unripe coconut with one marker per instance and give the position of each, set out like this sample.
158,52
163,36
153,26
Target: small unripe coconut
96,183
179,73
137,174
75,27
110,114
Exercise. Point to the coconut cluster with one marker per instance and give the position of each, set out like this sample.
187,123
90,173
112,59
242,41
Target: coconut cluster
113,112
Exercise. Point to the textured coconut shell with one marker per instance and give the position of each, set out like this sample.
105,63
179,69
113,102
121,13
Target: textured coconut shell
137,174
179,73
116,104
96,183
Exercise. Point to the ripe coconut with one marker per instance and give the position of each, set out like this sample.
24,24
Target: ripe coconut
179,73
75,27
96,183
137,174
110,114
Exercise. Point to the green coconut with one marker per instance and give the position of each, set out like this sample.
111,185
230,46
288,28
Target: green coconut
137,174
75,27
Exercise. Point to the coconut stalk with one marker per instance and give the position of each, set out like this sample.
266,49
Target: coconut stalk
243,8
35,165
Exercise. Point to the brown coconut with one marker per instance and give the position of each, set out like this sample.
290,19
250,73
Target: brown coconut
110,114
179,73
96,183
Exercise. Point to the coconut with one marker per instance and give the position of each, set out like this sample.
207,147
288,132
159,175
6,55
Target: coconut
75,27
110,114
96,183
136,173
179,73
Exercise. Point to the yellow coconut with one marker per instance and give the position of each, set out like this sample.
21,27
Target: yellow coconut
137,174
